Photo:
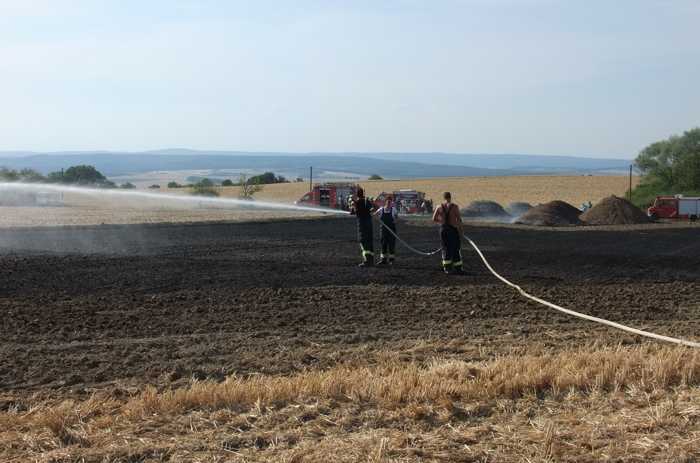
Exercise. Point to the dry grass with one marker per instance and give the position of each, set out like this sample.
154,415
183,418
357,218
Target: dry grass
533,189
93,210
617,404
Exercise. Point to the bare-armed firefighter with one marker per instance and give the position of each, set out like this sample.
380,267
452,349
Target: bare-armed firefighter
451,232
362,208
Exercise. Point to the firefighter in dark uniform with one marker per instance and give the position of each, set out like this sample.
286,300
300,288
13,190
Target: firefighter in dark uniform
362,208
451,232
387,215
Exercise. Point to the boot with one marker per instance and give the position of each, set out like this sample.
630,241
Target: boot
383,261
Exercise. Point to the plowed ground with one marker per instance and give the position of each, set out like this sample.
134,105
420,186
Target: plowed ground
118,306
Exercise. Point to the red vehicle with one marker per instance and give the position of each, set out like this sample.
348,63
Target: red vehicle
675,207
331,195
407,201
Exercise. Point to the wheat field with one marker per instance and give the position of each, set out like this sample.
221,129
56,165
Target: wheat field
95,210
533,189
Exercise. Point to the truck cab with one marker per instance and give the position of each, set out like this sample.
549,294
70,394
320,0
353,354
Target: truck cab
675,207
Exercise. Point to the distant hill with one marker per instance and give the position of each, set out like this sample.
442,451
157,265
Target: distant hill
388,165
521,162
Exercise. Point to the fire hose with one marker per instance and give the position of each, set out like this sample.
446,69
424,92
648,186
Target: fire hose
648,334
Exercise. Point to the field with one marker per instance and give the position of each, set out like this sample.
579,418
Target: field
262,341
533,189
94,210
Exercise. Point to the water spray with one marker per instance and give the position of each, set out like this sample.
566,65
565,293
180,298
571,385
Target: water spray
128,194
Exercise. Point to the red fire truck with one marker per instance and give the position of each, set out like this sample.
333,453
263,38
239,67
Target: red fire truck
675,207
408,201
331,195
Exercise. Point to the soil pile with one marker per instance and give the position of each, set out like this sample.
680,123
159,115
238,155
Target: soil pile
551,214
485,210
614,211
517,209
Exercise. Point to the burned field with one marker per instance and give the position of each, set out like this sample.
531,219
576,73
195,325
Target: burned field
107,311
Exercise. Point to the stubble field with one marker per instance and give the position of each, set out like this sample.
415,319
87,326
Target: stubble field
263,342
97,210
533,189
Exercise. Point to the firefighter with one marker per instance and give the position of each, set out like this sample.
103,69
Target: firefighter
387,215
451,231
362,208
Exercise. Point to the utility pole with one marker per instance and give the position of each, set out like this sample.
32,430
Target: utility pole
311,178
630,182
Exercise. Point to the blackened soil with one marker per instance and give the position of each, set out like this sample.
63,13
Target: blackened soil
93,306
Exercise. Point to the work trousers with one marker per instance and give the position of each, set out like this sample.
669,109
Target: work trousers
365,234
451,247
388,243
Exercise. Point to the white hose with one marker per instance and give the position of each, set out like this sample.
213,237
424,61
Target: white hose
527,295
417,251
524,293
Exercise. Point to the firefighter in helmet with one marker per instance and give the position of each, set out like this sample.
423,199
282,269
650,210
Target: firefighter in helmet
387,216
362,208
451,232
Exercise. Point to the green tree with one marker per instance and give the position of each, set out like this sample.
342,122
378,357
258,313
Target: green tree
174,185
8,175
375,177
79,175
227,182
127,186
267,178
205,187
31,175
670,166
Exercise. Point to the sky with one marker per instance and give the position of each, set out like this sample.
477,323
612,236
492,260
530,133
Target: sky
569,77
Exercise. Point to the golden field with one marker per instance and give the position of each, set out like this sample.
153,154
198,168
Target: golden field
533,189
97,209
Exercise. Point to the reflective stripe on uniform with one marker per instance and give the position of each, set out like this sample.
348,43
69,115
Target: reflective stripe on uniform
367,253
446,262
457,264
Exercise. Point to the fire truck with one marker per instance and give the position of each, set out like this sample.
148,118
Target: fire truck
408,201
675,207
331,195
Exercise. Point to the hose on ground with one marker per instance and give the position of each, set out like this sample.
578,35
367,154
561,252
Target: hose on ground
619,326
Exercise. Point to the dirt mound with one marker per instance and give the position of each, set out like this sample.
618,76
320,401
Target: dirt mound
484,210
614,211
517,209
551,214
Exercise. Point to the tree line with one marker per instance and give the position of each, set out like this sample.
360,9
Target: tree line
74,175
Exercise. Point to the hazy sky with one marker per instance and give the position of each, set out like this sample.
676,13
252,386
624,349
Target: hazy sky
596,78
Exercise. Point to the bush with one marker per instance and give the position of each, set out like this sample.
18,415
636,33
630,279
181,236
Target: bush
154,187
174,185
24,175
267,178
205,187
249,186
375,177
127,186
227,182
